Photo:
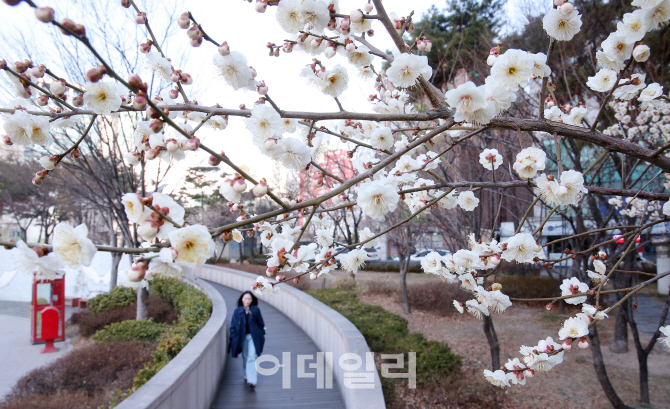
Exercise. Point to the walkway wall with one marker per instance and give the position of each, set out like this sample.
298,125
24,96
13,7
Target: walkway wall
329,330
191,379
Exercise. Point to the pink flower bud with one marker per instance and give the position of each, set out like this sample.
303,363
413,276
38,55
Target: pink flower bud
141,18
420,45
345,24
20,67
192,144
42,174
329,52
184,21
44,14
48,162
193,32
263,89
558,3
69,24
529,373
140,102
583,343
495,259
271,271
253,72
151,154
288,47
137,271
38,72
133,158
174,77
227,236
224,49
186,79
491,60
350,47
356,16
125,3
261,5
37,181
93,75
429,45
172,145
371,33
270,143
145,47
156,126
240,185
7,140
566,8
57,87
196,42
214,161
260,189
42,100
316,42
75,153
567,345
135,81
368,8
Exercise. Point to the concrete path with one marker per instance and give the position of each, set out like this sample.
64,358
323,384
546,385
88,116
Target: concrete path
282,335
648,315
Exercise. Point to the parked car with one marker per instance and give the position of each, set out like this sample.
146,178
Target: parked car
417,257
372,254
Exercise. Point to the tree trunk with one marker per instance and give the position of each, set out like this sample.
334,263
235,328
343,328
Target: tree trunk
142,295
492,338
114,272
404,264
620,344
601,372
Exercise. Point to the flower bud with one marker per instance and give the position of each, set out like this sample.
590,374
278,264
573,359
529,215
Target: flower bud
227,236
270,143
356,16
141,18
329,52
7,140
20,66
174,77
173,93
196,42
57,87
156,126
42,100
312,276
429,45
583,343
420,45
137,271
185,79
37,181
496,287
172,145
224,49
368,8
491,59
93,75
315,43
345,24
75,153
253,72
41,174
135,81
125,3
184,21
271,271
567,345
287,47
240,185
192,144
261,189
38,72
641,52
151,154
69,24
566,8
263,89
214,161
193,32
78,100
261,5
529,373
350,47
44,14
133,158
145,47
558,3
12,2
140,102
48,162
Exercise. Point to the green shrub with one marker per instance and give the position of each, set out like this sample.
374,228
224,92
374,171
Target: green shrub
131,330
118,297
387,333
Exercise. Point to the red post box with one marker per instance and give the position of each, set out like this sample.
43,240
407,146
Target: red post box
50,323
48,294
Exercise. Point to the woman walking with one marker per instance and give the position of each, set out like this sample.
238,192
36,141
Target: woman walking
247,335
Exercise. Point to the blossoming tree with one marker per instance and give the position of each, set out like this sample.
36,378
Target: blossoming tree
394,147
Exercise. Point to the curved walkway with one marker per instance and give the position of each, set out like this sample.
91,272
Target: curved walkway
282,335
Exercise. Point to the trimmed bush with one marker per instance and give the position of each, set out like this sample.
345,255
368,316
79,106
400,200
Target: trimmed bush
131,330
387,333
118,297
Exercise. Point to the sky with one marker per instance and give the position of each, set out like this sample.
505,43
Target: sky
246,31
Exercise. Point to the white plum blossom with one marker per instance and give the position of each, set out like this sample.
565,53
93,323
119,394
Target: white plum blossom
331,82
382,138
521,248
540,68
562,27
513,69
263,286
657,14
467,201
323,238
490,159
28,261
603,81
165,265
630,87
665,339
633,26
377,199
574,327
649,94
529,161
194,245
366,234
574,286
156,64
498,378
264,123
72,245
103,97
360,57
289,17
593,313
476,309
235,70
406,69
293,153
432,262
599,274
354,260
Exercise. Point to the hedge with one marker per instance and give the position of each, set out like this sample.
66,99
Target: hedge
130,330
118,297
387,333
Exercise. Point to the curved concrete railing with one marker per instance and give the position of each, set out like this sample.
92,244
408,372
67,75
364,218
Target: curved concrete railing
329,330
191,379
